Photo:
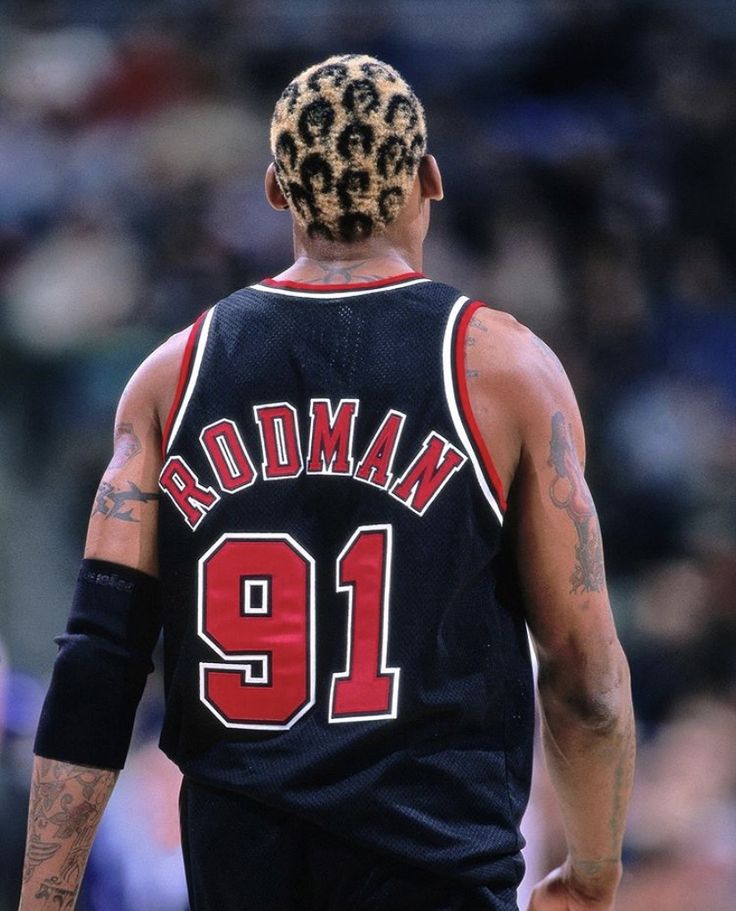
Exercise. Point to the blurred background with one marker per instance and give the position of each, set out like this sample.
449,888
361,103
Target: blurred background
589,156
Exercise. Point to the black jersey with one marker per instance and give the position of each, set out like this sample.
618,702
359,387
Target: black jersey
337,640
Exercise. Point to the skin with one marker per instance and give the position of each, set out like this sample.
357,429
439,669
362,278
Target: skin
529,418
527,413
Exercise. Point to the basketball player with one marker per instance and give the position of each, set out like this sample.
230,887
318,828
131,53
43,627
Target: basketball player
345,492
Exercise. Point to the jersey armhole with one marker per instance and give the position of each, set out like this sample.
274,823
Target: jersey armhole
458,399
188,371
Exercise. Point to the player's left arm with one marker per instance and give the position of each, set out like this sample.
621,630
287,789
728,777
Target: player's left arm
105,653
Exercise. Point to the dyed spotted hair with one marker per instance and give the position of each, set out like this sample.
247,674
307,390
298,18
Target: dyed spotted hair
347,136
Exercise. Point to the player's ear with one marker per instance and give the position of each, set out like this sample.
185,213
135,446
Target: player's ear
274,194
430,179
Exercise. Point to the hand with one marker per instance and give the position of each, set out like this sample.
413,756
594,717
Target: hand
566,890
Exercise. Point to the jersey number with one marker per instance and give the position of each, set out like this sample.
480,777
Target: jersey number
257,611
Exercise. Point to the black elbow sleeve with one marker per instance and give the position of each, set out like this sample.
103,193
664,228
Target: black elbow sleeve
101,668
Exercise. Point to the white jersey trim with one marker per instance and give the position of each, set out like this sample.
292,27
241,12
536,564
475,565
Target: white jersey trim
196,365
452,404
332,295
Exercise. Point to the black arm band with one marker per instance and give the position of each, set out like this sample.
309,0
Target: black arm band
101,668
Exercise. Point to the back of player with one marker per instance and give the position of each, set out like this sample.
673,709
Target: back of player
338,645
348,690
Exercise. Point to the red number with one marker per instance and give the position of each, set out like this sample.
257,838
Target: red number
256,595
257,612
367,688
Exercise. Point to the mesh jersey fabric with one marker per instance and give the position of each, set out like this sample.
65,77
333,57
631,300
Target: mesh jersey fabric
444,783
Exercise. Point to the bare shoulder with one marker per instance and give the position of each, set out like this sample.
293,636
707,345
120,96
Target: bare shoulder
504,351
516,383
152,387
507,346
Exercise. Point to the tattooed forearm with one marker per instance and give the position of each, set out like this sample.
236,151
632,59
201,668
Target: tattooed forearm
569,491
127,446
112,502
622,780
65,807
55,898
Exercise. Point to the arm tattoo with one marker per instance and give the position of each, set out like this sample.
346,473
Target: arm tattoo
622,777
127,446
621,786
56,898
470,342
568,491
66,803
111,502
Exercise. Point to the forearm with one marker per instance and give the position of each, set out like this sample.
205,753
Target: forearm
589,743
66,806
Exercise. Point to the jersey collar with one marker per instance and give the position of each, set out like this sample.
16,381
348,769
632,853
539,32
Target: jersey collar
307,289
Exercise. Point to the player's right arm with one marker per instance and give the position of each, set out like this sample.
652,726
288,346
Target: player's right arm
527,413
105,653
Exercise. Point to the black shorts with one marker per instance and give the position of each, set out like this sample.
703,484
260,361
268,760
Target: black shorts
243,856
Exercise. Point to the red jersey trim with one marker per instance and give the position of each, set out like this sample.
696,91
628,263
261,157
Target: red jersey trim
467,412
185,370
356,286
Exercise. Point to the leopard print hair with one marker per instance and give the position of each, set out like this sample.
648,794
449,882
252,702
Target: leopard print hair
347,136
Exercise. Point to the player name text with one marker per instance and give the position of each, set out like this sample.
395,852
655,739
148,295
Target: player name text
329,451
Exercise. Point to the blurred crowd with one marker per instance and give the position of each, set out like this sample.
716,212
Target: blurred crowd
589,155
